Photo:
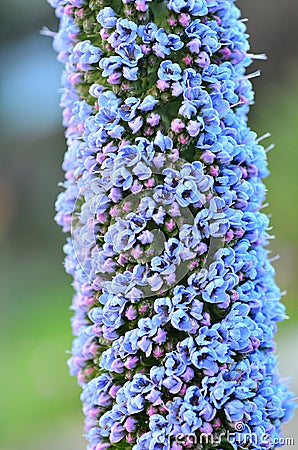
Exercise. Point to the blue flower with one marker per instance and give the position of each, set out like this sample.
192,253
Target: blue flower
148,103
164,307
127,30
195,29
129,155
211,120
165,43
191,423
197,7
116,132
191,78
159,424
177,5
140,384
163,194
107,18
181,321
85,54
122,178
128,110
148,32
161,265
169,71
110,64
187,109
188,193
174,42
130,73
234,411
135,404
124,240
163,142
130,53
174,365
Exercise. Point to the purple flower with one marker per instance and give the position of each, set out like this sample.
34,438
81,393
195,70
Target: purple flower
194,128
203,60
175,303
154,119
194,45
117,433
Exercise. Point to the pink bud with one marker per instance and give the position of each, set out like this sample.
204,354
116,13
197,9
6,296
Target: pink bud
172,21
177,125
187,60
184,19
214,171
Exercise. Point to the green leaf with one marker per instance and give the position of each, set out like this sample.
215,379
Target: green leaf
169,111
160,11
122,445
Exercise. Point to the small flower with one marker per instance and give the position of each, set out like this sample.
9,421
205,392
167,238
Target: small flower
203,60
153,119
177,125
107,18
169,71
136,124
194,45
148,103
194,128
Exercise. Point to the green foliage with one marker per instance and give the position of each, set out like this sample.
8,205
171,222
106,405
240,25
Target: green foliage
36,387
275,111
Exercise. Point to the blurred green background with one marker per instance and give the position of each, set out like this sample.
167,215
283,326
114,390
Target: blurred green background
40,407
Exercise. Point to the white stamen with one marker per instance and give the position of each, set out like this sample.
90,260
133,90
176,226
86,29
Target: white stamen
261,56
265,136
241,102
257,73
271,147
274,258
46,32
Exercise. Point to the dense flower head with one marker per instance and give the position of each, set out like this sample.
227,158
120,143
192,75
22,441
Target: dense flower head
176,306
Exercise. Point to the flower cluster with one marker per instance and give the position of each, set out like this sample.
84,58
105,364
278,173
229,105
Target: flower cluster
176,306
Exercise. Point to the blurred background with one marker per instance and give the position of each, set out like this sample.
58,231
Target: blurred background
40,407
